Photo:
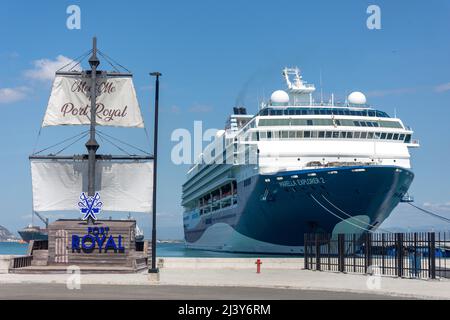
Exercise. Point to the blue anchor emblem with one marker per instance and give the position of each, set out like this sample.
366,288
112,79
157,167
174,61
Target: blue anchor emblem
90,206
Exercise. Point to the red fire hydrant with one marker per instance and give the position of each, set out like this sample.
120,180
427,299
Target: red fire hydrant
258,265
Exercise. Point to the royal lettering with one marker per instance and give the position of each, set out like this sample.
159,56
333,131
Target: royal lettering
98,239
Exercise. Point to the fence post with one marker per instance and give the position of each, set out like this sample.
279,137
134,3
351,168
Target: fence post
432,255
317,253
305,250
341,255
369,249
366,252
383,253
399,245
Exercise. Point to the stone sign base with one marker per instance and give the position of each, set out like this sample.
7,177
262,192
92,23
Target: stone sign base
100,246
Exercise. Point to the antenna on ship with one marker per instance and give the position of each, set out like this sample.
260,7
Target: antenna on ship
321,88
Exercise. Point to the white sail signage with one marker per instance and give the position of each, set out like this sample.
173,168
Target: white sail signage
124,186
70,104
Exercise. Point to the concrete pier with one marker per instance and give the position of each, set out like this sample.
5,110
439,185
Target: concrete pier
5,261
229,263
285,273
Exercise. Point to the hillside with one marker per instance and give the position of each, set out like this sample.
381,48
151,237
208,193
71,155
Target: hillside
5,234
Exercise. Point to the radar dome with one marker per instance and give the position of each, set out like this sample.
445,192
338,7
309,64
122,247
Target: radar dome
279,97
357,98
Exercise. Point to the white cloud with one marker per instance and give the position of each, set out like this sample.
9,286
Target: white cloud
44,69
10,95
442,87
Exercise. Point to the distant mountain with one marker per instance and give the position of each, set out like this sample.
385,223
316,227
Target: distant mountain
5,234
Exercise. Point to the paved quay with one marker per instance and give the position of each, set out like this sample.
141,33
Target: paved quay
280,279
45,291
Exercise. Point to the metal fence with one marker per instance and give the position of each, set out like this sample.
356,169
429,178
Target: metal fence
21,262
407,255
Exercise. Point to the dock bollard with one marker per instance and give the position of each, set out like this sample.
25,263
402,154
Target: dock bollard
258,265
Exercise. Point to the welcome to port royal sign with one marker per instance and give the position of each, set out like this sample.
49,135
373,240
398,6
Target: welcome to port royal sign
111,242
90,241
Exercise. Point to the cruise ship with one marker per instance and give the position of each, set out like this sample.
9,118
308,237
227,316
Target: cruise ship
298,166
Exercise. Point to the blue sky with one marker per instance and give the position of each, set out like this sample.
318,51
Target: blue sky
214,54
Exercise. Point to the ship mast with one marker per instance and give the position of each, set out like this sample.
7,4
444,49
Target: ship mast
92,145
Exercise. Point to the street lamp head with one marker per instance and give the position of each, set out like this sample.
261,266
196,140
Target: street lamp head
155,74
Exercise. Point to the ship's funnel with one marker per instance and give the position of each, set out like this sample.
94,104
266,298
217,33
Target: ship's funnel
239,110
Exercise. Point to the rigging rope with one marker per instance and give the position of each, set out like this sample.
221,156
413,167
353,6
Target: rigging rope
431,213
37,140
82,137
104,55
112,65
59,143
79,59
362,228
147,136
118,147
125,143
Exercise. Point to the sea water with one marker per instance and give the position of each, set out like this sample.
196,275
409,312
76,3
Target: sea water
162,250
13,248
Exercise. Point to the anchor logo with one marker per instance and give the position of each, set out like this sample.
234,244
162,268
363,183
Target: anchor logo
90,206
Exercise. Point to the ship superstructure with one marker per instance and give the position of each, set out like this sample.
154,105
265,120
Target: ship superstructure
297,166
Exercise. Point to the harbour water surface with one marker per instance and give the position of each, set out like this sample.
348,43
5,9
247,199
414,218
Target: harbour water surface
163,250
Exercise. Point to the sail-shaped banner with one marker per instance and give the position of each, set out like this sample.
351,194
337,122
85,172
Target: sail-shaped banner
123,186
116,102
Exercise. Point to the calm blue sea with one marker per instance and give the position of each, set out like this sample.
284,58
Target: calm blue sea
13,248
162,249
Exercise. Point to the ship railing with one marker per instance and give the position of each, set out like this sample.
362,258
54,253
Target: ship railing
327,104
319,164
419,255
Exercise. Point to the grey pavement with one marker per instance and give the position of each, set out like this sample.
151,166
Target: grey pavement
192,281
172,292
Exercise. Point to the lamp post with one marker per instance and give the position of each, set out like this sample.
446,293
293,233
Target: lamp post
154,269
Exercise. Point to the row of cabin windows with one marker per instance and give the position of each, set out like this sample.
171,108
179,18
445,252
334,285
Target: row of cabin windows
329,122
322,111
219,198
268,135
